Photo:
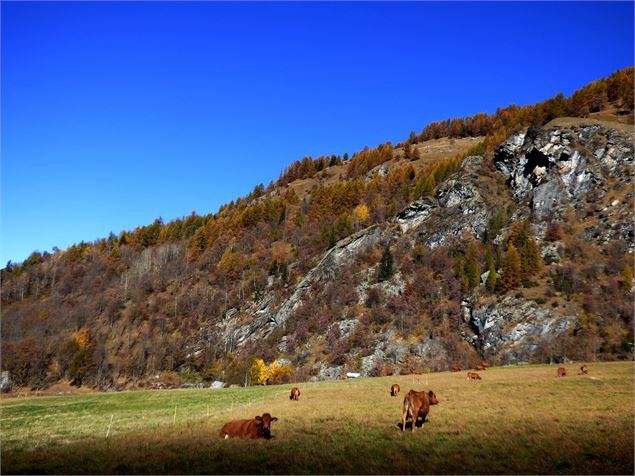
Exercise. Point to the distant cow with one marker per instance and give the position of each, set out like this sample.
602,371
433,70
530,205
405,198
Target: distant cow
295,393
562,372
480,367
485,364
455,368
416,372
583,370
259,427
473,376
394,390
415,405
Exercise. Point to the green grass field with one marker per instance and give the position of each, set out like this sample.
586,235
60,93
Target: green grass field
516,420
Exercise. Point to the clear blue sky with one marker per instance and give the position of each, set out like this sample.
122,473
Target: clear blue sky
114,114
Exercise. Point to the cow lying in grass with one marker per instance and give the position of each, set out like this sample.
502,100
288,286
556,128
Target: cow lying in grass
259,427
415,405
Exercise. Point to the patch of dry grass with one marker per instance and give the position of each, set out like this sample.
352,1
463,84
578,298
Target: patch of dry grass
516,420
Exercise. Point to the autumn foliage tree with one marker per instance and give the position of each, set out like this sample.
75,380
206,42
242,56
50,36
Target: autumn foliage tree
511,276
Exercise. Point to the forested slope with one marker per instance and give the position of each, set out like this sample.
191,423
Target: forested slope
400,257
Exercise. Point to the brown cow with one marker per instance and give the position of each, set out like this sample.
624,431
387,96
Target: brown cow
473,376
295,393
583,370
259,427
480,367
394,390
455,368
415,405
485,364
562,372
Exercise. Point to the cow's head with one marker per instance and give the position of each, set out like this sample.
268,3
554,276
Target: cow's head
264,423
432,397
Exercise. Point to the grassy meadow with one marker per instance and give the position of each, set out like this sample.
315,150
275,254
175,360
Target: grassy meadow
516,420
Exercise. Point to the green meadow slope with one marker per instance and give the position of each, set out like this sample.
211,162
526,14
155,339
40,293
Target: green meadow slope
516,420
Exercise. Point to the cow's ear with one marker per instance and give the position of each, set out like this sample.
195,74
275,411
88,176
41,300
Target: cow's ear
274,419
258,418
430,393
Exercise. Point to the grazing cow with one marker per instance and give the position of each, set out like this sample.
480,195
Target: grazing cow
416,372
485,364
455,368
583,370
295,393
480,367
562,372
394,390
259,427
473,376
415,405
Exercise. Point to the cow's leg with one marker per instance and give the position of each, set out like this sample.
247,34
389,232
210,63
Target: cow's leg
415,414
415,417
407,409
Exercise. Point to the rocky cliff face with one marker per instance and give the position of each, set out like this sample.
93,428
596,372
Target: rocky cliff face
513,329
266,316
549,171
556,168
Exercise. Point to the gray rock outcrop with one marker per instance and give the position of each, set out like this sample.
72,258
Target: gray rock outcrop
555,167
514,328
458,208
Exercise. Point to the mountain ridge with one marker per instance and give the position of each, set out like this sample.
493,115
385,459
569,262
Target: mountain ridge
299,272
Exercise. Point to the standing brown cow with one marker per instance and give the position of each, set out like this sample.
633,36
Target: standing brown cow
562,372
480,367
485,364
415,405
473,376
394,390
295,393
259,427
455,368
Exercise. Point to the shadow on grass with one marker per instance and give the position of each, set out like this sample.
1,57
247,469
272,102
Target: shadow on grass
358,451
418,424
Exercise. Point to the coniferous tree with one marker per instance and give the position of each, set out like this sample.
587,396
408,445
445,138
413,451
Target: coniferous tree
385,265
530,262
472,268
491,267
511,277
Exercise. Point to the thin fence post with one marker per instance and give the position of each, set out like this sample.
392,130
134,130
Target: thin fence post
174,419
109,425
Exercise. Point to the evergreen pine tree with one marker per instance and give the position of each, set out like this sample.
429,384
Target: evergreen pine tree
472,268
385,265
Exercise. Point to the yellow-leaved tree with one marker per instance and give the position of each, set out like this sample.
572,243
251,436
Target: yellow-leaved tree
263,374
280,373
260,372
361,213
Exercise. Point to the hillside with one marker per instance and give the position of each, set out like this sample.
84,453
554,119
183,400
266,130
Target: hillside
506,237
